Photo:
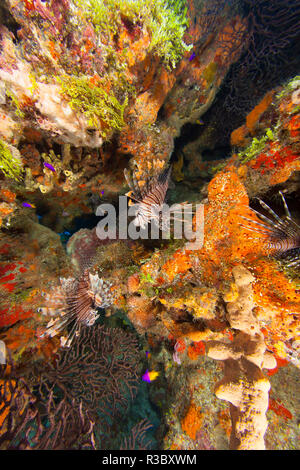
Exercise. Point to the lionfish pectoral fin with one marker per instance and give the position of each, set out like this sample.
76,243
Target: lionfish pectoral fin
133,184
256,224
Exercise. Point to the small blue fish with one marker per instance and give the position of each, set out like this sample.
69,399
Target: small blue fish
27,204
47,165
64,234
192,56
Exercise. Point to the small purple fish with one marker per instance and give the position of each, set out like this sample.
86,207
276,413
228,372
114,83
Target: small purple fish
192,56
47,165
27,204
149,376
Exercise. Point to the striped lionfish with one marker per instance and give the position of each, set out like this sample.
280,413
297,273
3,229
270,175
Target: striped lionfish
74,303
150,200
282,234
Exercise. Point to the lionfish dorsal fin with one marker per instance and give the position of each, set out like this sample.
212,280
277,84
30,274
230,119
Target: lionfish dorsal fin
136,187
285,227
164,177
128,179
287,212
283,234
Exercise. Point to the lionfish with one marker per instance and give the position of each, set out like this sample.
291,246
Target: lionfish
282,234
74,303
149,200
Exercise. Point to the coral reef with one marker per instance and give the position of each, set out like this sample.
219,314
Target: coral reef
139,342
96,92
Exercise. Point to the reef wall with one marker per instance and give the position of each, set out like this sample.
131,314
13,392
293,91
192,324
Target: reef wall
89,88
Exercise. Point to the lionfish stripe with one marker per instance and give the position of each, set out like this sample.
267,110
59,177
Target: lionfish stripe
283,245
75,328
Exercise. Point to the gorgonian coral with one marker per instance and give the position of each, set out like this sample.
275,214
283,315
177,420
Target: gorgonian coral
76,401
99,373
270,55
28,422
100,369
273,28
137,439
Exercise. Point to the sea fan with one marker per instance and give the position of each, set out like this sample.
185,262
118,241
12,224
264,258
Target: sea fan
74,303
282,234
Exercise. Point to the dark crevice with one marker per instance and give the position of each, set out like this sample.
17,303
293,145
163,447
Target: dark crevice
271,58
7,19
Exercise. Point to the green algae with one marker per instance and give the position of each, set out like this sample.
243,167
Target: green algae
256,146
166,20
290,86
9,165
94,102
15,104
